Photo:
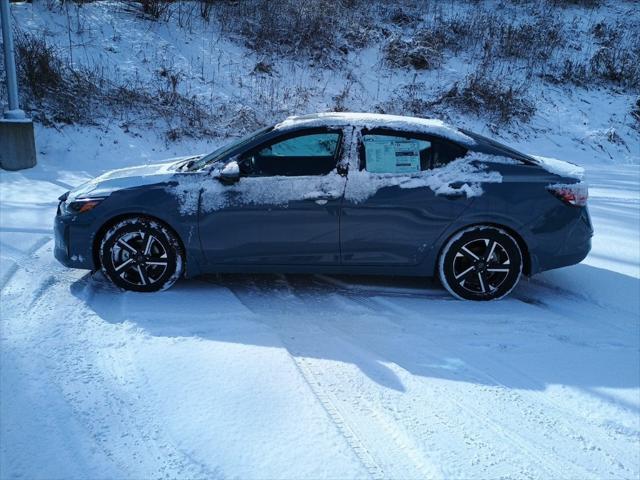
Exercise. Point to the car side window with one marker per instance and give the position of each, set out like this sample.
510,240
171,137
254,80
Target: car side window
301,155
383,153
445,152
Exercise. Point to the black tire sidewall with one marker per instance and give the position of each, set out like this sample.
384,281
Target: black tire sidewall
475,233
162,234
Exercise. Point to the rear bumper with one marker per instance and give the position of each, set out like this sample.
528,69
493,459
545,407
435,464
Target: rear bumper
72,243
569,248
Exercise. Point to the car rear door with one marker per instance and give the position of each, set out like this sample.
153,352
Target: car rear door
284,210
390,213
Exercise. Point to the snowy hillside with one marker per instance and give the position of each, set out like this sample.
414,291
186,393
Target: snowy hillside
297,376
554,77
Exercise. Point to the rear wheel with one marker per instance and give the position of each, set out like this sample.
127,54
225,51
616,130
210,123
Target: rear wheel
480,263
141,254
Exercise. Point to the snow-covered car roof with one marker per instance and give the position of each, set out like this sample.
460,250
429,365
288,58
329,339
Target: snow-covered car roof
373,120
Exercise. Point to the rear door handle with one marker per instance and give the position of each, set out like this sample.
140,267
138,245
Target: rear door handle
454,195
457,190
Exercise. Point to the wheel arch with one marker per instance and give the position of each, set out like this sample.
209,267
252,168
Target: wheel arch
524,248
104,228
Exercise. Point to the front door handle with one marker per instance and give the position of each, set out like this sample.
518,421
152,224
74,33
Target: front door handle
321,197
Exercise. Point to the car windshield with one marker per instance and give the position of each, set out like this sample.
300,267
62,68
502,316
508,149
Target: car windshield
221,152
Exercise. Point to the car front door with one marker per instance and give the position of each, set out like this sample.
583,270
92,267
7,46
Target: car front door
285,207
391,214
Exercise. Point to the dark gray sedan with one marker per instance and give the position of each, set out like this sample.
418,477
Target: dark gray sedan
334,193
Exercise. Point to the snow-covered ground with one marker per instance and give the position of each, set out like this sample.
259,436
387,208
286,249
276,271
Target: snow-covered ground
263,376
298,376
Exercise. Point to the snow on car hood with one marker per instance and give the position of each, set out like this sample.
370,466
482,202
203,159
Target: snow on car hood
560,167
128,177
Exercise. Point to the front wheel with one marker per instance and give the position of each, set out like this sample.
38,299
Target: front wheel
480,263
141,254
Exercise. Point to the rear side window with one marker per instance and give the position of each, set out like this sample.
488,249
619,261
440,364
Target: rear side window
310,154
391,154
383,153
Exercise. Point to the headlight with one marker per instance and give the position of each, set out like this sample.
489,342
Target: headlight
79,206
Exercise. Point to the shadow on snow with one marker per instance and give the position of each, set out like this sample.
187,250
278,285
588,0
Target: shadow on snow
539,336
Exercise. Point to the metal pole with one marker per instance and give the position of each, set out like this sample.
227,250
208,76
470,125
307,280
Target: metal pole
10,63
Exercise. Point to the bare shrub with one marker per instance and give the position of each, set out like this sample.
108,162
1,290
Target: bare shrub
635,114
617,65
40,67
55,93
576,3
479,94
535,40
417,53
570,70
341,98
617,60
156,9
205,8
400,16
362,34
450,33
263,67
482,95
287,27
409,99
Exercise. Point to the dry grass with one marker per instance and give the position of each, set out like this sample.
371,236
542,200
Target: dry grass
54,93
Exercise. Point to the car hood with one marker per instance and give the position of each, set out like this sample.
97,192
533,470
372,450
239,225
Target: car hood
130,177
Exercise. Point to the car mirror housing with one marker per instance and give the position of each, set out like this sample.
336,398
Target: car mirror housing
230,173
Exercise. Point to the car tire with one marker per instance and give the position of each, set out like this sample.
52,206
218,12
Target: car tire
141,254
480,263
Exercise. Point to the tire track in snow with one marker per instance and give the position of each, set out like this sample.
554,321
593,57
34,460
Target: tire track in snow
559,294
444,418
119,421
330,404
373,304
528,407
10,273
358,448
174,461
521,442
390,455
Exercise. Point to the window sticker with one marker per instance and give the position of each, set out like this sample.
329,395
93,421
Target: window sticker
392,154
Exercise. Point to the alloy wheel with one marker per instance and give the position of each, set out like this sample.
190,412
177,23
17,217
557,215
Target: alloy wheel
141,254
481,266
139,258
480,263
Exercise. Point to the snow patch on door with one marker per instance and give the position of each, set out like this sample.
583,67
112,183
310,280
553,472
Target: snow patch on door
463,176
275,191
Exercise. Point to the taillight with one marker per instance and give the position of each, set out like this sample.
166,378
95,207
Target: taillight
571,193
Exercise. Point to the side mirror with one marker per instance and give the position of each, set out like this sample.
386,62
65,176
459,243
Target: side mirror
230,173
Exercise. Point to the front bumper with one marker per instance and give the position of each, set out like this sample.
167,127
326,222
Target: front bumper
73,242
